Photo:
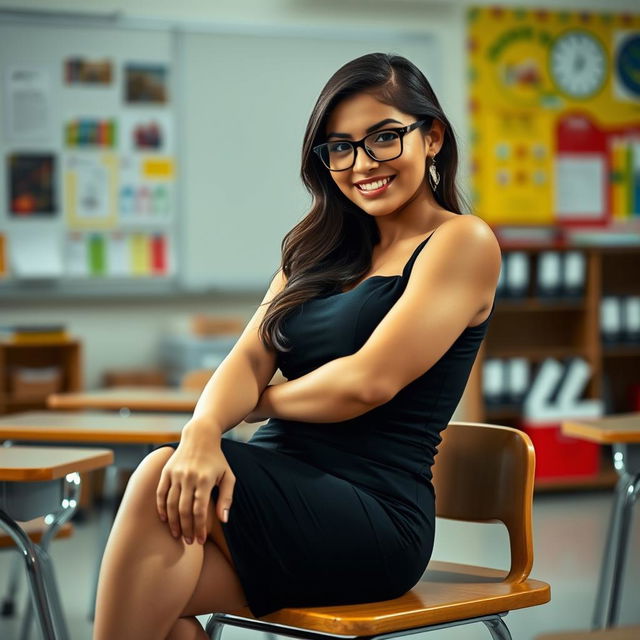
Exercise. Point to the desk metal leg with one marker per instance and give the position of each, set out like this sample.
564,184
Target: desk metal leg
107,516
42,581
627,462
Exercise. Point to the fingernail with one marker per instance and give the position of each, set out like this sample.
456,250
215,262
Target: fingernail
174,533
163,517
188,540
225,515
201,540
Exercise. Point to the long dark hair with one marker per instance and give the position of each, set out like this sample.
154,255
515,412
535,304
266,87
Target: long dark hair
331,246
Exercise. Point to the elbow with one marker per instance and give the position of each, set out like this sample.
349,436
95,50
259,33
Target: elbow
374,391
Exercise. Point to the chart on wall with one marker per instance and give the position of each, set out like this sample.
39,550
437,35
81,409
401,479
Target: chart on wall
88,147
554,103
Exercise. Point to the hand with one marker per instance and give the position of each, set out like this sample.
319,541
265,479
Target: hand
184,489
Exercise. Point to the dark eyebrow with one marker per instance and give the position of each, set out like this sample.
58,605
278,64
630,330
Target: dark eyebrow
369,130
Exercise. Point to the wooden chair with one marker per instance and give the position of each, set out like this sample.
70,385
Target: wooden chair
483,473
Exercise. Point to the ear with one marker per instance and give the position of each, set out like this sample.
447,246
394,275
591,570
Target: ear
434,138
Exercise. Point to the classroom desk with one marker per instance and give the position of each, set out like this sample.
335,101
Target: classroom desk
36,481
127,399
131,437
623,433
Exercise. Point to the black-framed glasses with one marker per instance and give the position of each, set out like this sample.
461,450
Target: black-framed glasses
381,146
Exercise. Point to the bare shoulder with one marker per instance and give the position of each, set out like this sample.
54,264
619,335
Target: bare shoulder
468,239
464,256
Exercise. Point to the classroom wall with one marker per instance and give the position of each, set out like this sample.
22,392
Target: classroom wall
124,333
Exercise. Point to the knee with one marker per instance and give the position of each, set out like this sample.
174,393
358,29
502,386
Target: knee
144,480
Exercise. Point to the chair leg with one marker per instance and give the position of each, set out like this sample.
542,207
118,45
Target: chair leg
9,601
213,629
498,628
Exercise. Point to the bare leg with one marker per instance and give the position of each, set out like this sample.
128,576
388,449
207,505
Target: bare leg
148,579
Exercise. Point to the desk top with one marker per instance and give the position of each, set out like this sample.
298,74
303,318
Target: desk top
621,428
93,426
31,464
101,426
133,398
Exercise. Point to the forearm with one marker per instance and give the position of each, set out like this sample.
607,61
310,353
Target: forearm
333,392
229,395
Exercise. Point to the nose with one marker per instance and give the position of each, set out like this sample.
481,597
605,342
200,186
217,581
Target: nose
363,160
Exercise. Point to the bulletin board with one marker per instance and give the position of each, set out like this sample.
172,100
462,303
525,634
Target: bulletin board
88,195
554,103
238,101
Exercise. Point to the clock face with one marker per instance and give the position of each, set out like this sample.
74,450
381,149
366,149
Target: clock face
578,64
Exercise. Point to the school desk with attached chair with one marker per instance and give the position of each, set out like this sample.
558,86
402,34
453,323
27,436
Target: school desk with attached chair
37,481
130,436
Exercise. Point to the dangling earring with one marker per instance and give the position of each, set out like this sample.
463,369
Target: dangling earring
434,176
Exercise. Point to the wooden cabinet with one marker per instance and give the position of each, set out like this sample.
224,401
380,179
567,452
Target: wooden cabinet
21,389
536,328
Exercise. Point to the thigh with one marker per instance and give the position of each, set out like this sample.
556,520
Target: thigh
218,589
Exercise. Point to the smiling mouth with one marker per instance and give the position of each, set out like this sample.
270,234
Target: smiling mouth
375,185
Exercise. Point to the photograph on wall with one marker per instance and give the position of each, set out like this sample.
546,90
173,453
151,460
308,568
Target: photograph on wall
31,185
146,133
27,104
82,71
146,83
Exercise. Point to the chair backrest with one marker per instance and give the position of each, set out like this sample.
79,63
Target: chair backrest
196,379
484,473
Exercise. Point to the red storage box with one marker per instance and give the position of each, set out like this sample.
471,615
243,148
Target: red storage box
561,456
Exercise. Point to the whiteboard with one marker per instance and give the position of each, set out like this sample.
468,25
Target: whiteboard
247,99
46,47
241,100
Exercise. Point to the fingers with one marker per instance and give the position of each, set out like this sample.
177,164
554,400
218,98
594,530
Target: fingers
173,515
161,495
185,512
200,506
225,495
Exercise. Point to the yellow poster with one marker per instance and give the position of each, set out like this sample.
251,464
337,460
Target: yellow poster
554,102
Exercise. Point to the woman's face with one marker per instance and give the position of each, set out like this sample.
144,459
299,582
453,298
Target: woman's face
351,119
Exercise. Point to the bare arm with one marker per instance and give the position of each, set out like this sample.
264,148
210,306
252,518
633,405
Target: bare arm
235,386
333,392
449,284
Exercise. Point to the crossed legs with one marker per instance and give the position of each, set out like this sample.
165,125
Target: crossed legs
151,585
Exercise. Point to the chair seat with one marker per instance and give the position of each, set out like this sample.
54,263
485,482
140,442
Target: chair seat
446,592
34,529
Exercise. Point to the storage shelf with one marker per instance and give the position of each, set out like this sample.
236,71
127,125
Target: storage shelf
536,328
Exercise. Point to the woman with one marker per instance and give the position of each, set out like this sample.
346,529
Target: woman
375,317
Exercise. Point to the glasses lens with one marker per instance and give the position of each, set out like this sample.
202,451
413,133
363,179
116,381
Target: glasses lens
337,155
383,145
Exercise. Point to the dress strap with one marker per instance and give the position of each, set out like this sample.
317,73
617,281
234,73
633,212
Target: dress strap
407,267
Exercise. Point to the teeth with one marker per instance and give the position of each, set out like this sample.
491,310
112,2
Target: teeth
372,186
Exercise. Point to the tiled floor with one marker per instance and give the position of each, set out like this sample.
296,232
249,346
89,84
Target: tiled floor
569,531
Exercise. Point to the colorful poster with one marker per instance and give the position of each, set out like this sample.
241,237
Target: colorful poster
91,188
32,185
554,103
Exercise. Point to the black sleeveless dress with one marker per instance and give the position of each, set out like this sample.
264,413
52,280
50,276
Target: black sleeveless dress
342,513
